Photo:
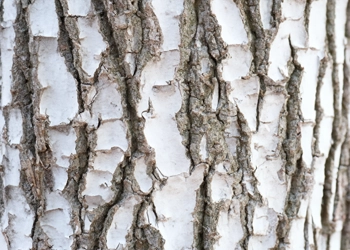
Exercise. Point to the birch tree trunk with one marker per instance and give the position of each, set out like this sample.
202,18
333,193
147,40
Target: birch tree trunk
175,124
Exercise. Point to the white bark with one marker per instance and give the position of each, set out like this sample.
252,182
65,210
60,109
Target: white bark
179,124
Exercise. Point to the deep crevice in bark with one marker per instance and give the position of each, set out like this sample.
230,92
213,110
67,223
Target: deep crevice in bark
65,46
291,144
248,201
294,167
259,48
307,14
100,222
76,172
276,13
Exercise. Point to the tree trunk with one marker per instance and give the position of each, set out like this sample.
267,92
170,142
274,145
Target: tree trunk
175,124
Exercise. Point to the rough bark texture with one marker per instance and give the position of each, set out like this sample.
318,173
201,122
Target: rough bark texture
175,124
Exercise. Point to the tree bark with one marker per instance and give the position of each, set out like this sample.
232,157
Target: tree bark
178,124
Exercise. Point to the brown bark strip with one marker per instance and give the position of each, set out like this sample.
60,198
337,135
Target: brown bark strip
248,201
196,113
307,14
294,167
259,48
345,151
23,94
142,18
291,143
76,171
203,122
338,125
276,13
260,43
318,107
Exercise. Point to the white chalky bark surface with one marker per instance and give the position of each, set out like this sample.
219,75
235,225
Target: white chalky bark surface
174,206
7,43
57,84
115,153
